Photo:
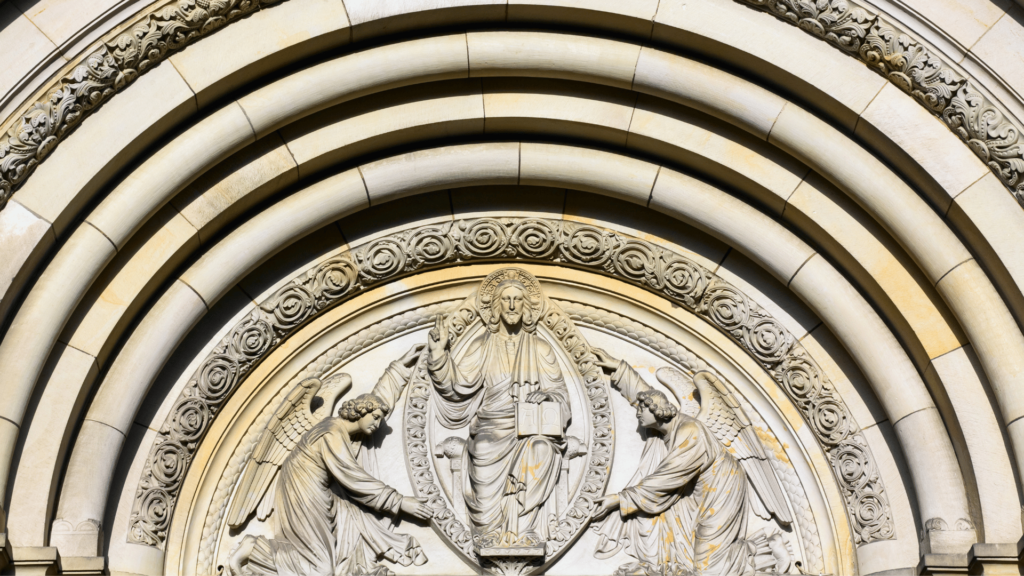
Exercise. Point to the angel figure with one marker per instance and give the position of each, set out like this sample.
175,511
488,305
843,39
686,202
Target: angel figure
701,472
310,469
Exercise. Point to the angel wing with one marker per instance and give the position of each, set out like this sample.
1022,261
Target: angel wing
723,415
294,417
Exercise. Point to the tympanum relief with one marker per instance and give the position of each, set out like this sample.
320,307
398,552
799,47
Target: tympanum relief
506,421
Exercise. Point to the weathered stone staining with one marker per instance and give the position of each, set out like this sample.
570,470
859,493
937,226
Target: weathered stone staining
463,287
504,503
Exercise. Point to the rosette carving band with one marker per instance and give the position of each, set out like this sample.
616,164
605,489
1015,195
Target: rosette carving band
654,268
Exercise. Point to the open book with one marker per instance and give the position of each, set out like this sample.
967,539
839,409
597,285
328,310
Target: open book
544,418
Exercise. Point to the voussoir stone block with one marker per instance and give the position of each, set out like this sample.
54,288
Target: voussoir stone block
764,45
538,106
440,168
715,148
169,170
993,222
265,234
24,239
731,220
588,170
354,75
246,178
133,275
66,381
261,43
547,55
438,110
42,315
909,136
372,18
632,18
879,264
79,168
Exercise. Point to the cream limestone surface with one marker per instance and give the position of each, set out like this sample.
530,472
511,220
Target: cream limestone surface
49,435
980,390
271,39
838,85
588,170
79,168
25,238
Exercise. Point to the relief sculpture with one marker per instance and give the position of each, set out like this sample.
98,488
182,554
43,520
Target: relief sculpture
508,433
321,529
702,471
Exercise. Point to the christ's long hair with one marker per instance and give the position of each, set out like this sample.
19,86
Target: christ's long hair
532,306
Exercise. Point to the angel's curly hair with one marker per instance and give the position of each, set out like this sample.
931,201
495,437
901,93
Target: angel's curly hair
657,403
354,409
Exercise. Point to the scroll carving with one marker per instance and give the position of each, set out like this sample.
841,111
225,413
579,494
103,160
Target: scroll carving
119,59
668,274
910,65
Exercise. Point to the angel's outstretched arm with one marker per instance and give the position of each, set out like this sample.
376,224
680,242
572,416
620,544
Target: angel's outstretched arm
396,376
623,377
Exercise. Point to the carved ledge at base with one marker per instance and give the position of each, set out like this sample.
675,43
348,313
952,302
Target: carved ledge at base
35,560
5,551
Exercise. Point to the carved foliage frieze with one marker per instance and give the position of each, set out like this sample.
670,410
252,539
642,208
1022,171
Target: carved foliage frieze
120,59
657,269
910,65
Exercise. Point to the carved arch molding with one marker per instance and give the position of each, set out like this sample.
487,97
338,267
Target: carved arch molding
795,379
118,59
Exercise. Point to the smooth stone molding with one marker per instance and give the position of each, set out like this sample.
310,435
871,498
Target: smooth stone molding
119,58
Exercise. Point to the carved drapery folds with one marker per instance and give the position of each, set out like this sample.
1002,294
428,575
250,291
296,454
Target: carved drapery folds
666,273
119,59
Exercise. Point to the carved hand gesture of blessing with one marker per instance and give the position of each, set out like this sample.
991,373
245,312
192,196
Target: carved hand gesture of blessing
437,340
606,362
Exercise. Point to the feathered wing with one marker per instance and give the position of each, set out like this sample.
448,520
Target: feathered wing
722,413
681,387
293,418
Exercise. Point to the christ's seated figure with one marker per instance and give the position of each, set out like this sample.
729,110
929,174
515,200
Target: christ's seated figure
511,477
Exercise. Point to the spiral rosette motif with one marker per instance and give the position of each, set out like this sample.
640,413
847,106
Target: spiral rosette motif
169,463
217,377
431,245
189,418
767,340
801,379
334,279
637,261
685,280
535,238
290,305
152,517
483,238
251,340
871,518
726,306
831,421
852,466
381,259
586,245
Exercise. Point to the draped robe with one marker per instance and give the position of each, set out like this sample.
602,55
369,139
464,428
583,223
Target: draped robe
510,479
321,530
686,506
